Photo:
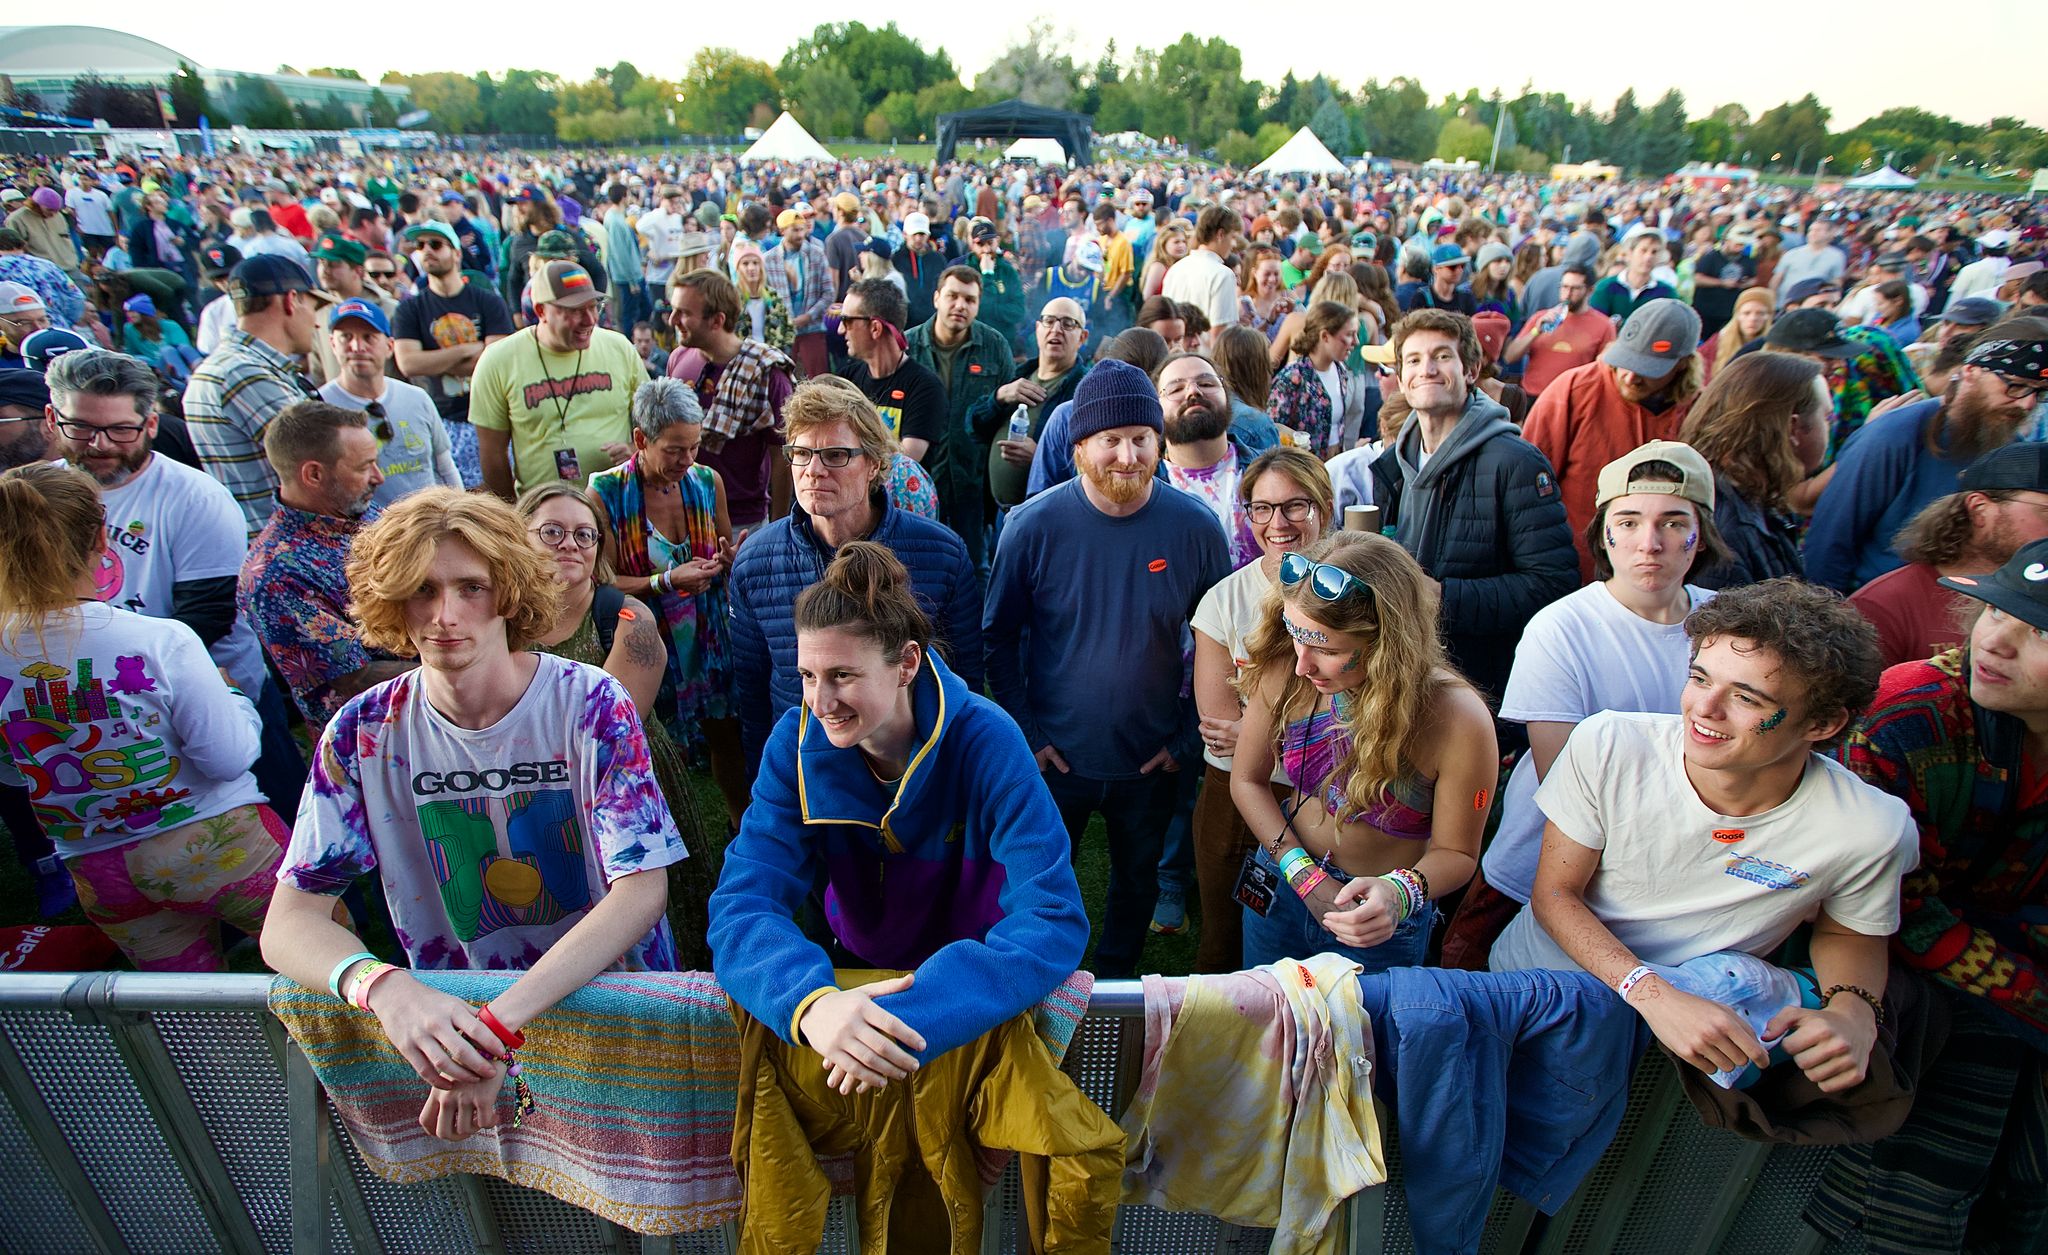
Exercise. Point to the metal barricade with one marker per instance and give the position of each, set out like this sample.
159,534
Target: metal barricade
172,1115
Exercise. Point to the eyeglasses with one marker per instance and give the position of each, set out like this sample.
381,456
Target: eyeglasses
833,459
2020,389
1050,321
375,409
1295,511
85,433
430,242
1327,582
382,274
847,319
553,534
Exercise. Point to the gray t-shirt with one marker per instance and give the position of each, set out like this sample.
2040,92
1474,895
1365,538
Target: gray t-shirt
412,441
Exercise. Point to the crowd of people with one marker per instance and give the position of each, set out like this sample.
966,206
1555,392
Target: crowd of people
1634,581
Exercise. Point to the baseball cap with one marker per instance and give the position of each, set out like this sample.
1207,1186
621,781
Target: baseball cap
2019,271
268,274
47,198
140,304
340,248
1088,255
453,197
879,246
1656,338
555,245
1996,237
1971,311
25,388
243,217
563,283
846,203
11,196
1447,255
17,298
2020,587
1696,478
442,229
2019,467
1807,289
1141,197
1810,331
526,195
1890,261
49,344
916,224
362,311
218,259
787,219
979,229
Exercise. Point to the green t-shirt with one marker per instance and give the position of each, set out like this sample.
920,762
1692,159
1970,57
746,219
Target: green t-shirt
557,403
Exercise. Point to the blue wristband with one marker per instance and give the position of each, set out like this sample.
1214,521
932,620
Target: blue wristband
341,969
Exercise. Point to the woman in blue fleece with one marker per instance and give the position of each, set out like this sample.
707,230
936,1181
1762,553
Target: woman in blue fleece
941,849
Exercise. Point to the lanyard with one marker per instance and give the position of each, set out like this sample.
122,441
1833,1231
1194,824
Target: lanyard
561,402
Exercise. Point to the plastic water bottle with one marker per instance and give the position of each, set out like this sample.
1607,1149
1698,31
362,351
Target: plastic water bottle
1020,424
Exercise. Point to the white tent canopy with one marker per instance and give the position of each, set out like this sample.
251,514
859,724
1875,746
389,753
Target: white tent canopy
1304,154
786,140
1038,148
1883,180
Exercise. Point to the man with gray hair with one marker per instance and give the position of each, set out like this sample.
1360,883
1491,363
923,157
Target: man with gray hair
175,538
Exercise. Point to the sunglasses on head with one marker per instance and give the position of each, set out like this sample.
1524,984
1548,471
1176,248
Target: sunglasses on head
1327,582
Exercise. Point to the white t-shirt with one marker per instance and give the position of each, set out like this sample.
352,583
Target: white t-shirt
1333,388
491,843
1677,881
1580,655
663,232
94,208
214,322
168,525
1227,614
123,728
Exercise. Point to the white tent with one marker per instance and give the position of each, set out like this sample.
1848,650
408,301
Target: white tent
1884,180
1046,152
1304,154
786,140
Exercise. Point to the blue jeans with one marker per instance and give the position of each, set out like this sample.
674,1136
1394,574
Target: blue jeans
1136,813
1288,931
1177,859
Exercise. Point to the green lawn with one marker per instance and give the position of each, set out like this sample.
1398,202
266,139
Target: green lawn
1172,956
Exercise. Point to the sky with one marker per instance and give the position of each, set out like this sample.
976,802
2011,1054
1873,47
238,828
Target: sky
1773,50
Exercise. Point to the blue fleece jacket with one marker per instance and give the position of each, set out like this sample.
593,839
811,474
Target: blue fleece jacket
785,557
960,872
1885,474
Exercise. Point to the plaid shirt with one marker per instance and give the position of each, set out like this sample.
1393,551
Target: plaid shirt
294,594
229,403
817,277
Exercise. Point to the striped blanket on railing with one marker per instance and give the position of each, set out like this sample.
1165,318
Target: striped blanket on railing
635,1076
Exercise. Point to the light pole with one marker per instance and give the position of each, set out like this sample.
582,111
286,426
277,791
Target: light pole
1817,171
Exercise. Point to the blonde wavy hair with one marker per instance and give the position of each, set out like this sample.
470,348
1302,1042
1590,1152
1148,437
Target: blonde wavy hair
1402,659
51,530
389,559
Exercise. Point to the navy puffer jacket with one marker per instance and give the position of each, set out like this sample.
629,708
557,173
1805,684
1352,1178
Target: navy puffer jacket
785,557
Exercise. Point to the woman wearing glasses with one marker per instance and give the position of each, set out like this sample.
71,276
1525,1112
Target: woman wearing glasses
602,626
1388,754
1287,499
669,537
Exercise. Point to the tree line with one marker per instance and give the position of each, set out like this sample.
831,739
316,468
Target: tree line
847,80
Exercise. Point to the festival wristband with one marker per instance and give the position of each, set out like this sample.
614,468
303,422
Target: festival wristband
511,1040
341,969
1637,975
1404,899
1292,859
366,976
1303,886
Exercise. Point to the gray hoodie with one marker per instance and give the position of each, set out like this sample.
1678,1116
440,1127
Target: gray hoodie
1483,419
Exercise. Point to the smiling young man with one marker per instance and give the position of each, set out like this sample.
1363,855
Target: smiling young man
1720,829
504,798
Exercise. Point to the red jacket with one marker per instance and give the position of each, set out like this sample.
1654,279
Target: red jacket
1581,422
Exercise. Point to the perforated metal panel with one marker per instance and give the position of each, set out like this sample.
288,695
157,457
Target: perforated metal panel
423,1219
39,1218
1094,1057
226,1065
100,1112
1769,1219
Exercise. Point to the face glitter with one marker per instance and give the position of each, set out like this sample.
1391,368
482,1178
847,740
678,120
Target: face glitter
1771,723
1691,539
1302,634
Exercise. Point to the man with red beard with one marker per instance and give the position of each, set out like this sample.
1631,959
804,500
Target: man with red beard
1893,468
1093,585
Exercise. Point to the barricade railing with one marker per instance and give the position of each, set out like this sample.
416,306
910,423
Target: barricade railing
172,1114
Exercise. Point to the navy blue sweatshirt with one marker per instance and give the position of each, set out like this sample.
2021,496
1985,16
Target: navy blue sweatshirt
1084,623
1883,477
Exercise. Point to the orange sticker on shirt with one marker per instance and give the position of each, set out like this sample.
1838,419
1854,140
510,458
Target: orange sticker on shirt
1308,978
1728,836
1156,565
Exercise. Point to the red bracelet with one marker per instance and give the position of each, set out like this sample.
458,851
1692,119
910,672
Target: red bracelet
511,1040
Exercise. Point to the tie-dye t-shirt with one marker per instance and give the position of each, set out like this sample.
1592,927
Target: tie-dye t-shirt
491,844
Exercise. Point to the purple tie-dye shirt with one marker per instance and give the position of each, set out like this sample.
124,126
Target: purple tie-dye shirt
492,843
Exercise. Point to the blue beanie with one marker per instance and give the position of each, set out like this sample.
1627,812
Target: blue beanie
1114,394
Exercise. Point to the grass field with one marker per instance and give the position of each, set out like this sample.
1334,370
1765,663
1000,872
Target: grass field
1170,956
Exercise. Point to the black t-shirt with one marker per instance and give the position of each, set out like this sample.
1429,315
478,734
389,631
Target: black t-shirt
1716,306
911,401
441,322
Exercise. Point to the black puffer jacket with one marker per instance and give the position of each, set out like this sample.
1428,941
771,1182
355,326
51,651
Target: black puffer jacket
1485,519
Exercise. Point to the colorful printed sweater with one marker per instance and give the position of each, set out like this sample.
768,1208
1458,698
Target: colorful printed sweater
959,871
1974,915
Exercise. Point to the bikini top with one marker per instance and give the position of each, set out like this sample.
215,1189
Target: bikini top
1310,750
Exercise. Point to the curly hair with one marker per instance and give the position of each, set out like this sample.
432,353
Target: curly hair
389,559
1402,657
829,399
1942,532
1457,326
1817,636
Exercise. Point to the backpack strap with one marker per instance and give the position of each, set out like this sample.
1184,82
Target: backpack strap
605,605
